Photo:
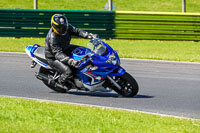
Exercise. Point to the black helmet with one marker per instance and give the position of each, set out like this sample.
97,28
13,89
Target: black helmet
59,24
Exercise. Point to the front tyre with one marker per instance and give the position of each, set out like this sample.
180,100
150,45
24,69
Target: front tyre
129,86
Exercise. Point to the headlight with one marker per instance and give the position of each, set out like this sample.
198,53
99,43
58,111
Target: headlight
112,59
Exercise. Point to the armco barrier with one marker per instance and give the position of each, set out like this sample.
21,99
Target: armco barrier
108,24
157,26
36,23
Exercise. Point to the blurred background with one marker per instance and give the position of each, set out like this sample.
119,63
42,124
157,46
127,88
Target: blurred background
121,5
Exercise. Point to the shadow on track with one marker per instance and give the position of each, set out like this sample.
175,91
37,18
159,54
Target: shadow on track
144,96
104,94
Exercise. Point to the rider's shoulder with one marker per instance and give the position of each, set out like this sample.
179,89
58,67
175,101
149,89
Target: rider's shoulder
71,27
53,38
53,35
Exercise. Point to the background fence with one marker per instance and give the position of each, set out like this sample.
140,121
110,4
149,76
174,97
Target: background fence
161,26
36,23
108,24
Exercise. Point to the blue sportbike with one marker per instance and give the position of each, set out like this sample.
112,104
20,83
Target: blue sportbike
99,70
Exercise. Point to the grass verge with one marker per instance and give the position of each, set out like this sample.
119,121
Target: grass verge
128,5
138,49
20,115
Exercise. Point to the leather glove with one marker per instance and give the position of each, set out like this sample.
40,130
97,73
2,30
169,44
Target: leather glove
73,63
84,58
92,36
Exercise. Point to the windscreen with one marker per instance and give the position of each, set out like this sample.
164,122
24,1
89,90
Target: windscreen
97,47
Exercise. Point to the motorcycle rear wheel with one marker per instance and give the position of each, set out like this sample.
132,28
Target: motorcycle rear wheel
129,86
48,73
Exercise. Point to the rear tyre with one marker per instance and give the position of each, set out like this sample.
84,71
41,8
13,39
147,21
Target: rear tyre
129,86
50,74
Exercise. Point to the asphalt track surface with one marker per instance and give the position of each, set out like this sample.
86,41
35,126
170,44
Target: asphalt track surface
165,87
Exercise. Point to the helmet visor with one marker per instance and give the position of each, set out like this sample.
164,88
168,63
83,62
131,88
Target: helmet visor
61,29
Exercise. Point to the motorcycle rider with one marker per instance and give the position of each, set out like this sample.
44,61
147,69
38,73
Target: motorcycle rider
58,47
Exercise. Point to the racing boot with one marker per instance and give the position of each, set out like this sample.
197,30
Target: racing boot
63,80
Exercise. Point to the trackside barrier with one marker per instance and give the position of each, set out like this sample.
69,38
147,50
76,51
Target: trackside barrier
36,23
157,26
108,24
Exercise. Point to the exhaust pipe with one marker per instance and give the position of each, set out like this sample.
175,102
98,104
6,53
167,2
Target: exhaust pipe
51,82
45,78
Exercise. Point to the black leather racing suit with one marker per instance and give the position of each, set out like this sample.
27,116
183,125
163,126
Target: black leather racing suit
58,48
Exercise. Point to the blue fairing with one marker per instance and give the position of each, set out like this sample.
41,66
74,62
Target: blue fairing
118,72
79,52
112,50
91,77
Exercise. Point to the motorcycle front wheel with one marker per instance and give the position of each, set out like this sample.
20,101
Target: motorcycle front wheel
129,86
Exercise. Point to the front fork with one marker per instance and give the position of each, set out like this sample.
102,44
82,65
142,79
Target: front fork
117,73
114,82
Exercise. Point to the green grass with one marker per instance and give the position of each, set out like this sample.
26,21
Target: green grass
139,49
24,116
121,5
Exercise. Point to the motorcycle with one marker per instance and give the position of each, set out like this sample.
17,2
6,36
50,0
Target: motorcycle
99,70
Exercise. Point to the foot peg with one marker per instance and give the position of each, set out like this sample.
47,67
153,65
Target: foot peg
33,64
